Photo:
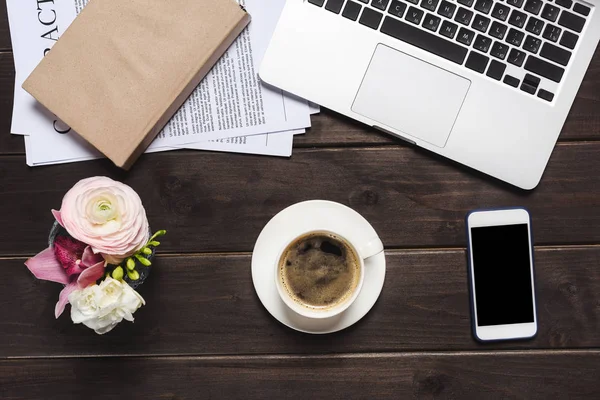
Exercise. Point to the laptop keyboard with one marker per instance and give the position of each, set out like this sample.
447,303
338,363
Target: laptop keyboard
486,36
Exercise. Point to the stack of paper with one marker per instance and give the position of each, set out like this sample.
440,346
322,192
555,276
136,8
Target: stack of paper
230,111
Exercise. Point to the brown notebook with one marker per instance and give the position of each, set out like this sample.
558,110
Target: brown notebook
123,68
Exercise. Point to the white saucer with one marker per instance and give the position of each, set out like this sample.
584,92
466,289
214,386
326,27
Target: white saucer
291,222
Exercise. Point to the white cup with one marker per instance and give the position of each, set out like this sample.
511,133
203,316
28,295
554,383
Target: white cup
364,250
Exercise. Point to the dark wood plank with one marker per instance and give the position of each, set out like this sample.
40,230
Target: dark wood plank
5,43
331,129
411,198
520,375
207,305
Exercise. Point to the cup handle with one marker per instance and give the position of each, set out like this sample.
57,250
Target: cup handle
371,248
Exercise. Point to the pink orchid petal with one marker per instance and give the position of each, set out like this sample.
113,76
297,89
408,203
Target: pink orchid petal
91,275
45,266
89,258
63,298
58,217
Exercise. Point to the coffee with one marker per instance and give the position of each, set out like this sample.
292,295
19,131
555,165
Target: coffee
319,271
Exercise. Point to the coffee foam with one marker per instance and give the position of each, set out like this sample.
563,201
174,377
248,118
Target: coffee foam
319,271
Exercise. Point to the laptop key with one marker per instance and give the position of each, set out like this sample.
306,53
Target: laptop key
551,33
381,4
413,1
565,3
482,43
370,18
532,44
318,3
516,57
496,70
414,15
447,9
511,81
429,4
550,12
515,37
569,40
499,50
515,3
448,29
544,68
431,22
464,16
335,6
530,84
397,8
500,12
581,9
534,25
498,30
467,3
555,53
477,62
517,18
424,40
480,23
364,1
571,21
465,36
545,95
351,10
484,6
533,6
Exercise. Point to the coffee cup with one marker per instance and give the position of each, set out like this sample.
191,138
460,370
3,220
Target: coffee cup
320,273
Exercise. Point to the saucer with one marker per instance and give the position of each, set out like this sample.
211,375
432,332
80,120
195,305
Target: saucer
291,222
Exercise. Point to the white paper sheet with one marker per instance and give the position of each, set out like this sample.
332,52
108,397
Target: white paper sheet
35,31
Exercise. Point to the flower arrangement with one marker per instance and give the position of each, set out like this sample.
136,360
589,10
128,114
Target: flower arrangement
101,250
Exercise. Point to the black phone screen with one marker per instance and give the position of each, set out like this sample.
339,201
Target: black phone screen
502,272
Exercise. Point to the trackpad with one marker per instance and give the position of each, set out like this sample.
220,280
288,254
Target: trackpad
409,95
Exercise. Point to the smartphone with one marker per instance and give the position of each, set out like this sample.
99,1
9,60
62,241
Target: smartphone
501,274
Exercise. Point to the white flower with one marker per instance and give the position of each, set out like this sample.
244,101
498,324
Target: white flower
102,307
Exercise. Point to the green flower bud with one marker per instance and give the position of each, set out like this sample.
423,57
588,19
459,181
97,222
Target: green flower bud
130,264
157,234
143,260
154,243
146,251
133,275
118,273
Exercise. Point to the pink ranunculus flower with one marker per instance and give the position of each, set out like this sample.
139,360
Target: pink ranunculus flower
107,215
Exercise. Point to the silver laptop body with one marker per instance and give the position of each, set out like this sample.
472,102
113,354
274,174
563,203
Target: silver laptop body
485,83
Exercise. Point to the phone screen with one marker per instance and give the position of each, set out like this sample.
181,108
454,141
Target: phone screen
502,272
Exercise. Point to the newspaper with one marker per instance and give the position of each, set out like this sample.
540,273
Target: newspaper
230,103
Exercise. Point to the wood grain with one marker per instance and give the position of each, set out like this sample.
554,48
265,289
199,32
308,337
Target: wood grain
207,305
519,375
5,43
212,202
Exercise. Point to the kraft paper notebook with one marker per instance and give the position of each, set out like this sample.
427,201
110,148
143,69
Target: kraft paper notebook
123,68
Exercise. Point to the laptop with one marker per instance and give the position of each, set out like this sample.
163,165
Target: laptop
485,83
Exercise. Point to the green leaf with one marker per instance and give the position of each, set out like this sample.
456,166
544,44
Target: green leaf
143,260
118,273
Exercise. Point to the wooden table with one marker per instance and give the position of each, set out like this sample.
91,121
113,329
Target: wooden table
205,334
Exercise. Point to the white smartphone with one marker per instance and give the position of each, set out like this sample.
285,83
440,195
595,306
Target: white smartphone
501,274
